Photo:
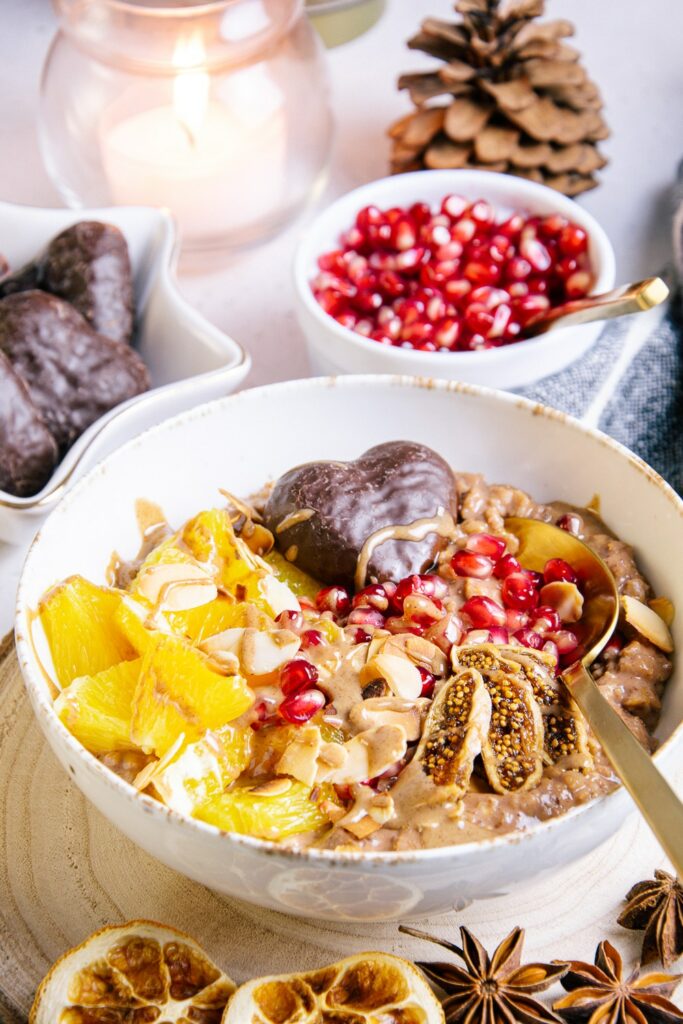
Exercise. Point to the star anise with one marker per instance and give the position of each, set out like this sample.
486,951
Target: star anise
491,990
599,994
657,907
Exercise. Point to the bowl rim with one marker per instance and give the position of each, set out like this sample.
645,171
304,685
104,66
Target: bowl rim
161,273
451,361
43,704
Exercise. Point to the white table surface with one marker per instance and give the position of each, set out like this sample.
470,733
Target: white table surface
634,53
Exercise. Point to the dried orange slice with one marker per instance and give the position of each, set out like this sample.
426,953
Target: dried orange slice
135,973
362,989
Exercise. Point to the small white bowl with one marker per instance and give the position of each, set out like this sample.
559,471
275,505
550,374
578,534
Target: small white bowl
189,360
336,349
181,463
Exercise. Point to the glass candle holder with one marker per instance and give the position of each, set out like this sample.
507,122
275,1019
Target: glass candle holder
217,110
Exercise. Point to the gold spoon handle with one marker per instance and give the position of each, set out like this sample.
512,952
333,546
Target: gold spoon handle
630,298
657,801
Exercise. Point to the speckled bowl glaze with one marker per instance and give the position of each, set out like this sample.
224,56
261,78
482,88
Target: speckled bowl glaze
242,441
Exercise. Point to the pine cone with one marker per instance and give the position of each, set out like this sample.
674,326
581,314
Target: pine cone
518,99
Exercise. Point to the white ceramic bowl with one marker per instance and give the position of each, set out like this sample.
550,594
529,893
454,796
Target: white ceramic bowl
189,360
244,440
336,349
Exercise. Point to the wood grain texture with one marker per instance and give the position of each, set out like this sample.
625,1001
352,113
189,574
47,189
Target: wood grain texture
65,871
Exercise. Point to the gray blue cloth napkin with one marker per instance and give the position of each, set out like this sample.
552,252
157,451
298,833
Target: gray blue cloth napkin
644,408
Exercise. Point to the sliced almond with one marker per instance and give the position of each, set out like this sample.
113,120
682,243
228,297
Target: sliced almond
148,774
377,711
300,757
648,623
370,753
177,586
332,755
257,538
565,598
398,670
664,608
259,651
278,595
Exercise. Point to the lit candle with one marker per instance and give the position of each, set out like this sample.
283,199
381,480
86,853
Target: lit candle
217,166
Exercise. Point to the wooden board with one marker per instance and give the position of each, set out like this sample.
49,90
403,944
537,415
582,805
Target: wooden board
65,871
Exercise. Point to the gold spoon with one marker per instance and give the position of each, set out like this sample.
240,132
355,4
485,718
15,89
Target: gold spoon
629,298
656,800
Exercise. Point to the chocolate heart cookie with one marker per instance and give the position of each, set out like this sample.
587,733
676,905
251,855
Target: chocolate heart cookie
323,512
73,374
88,265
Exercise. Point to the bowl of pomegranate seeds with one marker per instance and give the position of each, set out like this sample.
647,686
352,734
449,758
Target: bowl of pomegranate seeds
440,273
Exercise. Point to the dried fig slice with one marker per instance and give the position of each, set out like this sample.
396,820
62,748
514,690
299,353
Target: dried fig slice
88,265
513,749
135,973
73,375
453,735
28,452
361,989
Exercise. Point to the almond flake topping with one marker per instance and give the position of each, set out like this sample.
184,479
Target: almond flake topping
177,586
648,623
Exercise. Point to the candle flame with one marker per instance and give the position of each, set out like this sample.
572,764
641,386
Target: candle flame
191,85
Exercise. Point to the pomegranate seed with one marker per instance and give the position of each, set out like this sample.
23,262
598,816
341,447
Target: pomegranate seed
464,230
518,591
366,617
348,320
571,523
332,262
567,643
427,584
518,269
447,332
501,321
312,638
367,301
403,233
358,635
333,599
613,646
467,563
409,259
477,636
530,308
364,327
373,596
446,632
390,284
481,212
486,544
483,612
381,336
565,267
489,297
578,285
456,290
428,682
546,619
557,569
499,635
369,216
512,226
290,620
505,566
354,238
420,212
573,240
331,301
435,234
551,648
450,251
482,272
301,707
297,675
454,206
535,577
516,619
528,638
535,253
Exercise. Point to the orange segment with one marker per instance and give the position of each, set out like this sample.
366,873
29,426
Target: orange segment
80,625
136,621
205,768
178,693
285,810
97,709
298,581
136,973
